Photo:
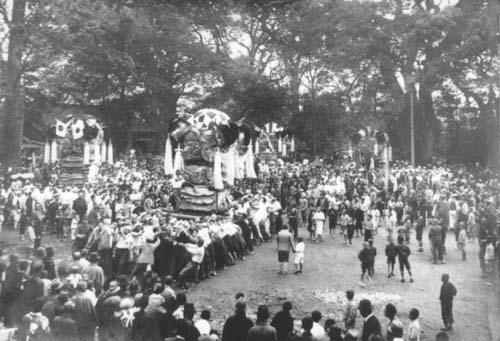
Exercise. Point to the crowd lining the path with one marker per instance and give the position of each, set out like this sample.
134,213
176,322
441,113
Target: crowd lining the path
133,259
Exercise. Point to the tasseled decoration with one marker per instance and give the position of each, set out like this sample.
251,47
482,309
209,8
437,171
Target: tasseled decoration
229,166
283,149
375,149
103,152
257,147
97,154
46,153
280,144
372,163
33,159
350,150
178,161
238,174
86,153
249,166
168,166
389,152
110,153
218,184
292,145
53,152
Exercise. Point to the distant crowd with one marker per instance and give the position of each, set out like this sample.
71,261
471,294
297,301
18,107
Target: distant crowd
133,257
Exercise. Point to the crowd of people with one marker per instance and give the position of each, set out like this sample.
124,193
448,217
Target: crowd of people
133,258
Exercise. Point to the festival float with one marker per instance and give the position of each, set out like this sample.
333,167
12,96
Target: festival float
211,153
75,143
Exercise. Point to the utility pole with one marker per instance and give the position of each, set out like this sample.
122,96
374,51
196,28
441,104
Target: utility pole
498,83
412,125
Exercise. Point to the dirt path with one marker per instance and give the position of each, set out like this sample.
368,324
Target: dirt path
331,269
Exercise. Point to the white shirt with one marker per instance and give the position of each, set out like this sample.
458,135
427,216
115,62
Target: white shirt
203,326
300,248
317,330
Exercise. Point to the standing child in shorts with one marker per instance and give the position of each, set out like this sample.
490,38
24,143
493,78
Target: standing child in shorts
403,254
345,222
299,255
391,253
414,327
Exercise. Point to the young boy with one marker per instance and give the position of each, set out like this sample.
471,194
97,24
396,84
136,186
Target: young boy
365,256
345,222
350,311
299,255
462,239
403,254
371,270
414,327
391,253
489,256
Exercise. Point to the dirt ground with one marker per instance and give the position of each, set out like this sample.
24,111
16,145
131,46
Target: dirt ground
330,270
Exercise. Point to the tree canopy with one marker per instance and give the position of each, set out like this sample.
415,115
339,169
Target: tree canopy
322,68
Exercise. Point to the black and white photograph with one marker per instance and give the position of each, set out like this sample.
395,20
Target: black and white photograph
249,170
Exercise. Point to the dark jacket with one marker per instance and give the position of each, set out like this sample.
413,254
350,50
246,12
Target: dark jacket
371,326
236,328
283,323
448,291
365,256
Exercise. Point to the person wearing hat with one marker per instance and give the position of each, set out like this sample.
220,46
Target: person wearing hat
262,331
52,300
236,327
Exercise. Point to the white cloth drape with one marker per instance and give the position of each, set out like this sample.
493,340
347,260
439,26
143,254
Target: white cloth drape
53,152
238,174
110,153
103,152
46,153
167,164
218,184
249,166
178,161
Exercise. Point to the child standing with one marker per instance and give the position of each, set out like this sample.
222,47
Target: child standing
350,311
391,253
346,225
489,256
414,327
462,239
403,254
299,255
365,256
371,270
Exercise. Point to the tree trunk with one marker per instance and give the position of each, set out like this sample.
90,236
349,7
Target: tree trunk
13,108
426,127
